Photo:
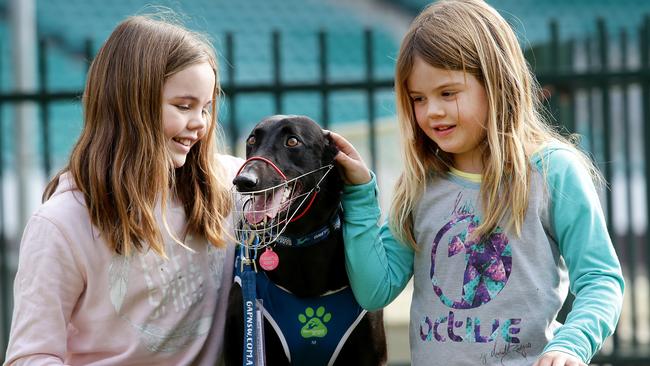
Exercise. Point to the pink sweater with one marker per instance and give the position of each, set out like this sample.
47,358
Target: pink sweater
78,303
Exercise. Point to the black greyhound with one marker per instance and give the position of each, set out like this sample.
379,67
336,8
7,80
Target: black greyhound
282,148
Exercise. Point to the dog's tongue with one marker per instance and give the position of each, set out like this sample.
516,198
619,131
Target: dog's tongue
264,205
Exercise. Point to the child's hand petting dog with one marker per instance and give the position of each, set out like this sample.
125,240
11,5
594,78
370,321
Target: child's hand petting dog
353,170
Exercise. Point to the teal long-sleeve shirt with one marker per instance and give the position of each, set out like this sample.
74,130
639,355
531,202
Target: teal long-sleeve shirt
493,301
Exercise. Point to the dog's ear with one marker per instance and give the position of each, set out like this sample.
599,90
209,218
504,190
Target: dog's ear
330,149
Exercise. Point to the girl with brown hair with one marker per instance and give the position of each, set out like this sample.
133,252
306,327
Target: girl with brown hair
126,261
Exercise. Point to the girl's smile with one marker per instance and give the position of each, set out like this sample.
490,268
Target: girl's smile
183,145
443,131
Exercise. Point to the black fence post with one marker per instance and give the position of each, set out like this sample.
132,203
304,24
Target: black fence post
324,78
277,72
88,52
45,105
569,120
554,66
232,102
590,99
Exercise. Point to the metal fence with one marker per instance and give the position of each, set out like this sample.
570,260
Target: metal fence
594,87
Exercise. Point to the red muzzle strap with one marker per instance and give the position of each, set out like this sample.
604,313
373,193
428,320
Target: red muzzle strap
275,167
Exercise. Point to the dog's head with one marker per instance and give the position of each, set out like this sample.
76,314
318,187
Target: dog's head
283,149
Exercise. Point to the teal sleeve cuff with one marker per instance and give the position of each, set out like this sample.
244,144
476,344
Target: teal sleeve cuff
361,200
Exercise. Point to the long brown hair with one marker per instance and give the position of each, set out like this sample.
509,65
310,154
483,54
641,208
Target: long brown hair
470,36
120,162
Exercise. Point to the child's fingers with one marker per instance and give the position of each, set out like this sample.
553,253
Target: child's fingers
345,160
353,171
344,145
351,165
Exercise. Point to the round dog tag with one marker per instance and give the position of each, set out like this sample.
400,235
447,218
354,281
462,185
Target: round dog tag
269,260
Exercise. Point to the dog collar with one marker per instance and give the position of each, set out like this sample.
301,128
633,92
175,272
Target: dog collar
314,237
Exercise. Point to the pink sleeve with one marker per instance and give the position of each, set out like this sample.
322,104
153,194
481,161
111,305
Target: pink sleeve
47,286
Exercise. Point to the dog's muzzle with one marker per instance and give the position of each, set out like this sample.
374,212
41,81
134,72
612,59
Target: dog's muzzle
264,214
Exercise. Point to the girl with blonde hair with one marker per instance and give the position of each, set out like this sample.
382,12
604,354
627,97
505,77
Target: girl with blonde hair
495,215
123,263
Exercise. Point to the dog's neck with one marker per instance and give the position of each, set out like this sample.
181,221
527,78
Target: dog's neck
312,270
304,240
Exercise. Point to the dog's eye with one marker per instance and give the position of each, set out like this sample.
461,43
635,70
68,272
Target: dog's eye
250,140
292,142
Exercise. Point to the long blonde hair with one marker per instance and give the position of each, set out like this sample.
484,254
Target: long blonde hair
470,36
120,162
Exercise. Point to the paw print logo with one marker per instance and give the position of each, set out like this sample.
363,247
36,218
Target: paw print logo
314,322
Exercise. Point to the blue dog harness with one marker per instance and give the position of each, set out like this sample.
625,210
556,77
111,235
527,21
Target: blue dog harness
312,330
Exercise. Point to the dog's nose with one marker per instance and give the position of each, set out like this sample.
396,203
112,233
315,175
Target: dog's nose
245,181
